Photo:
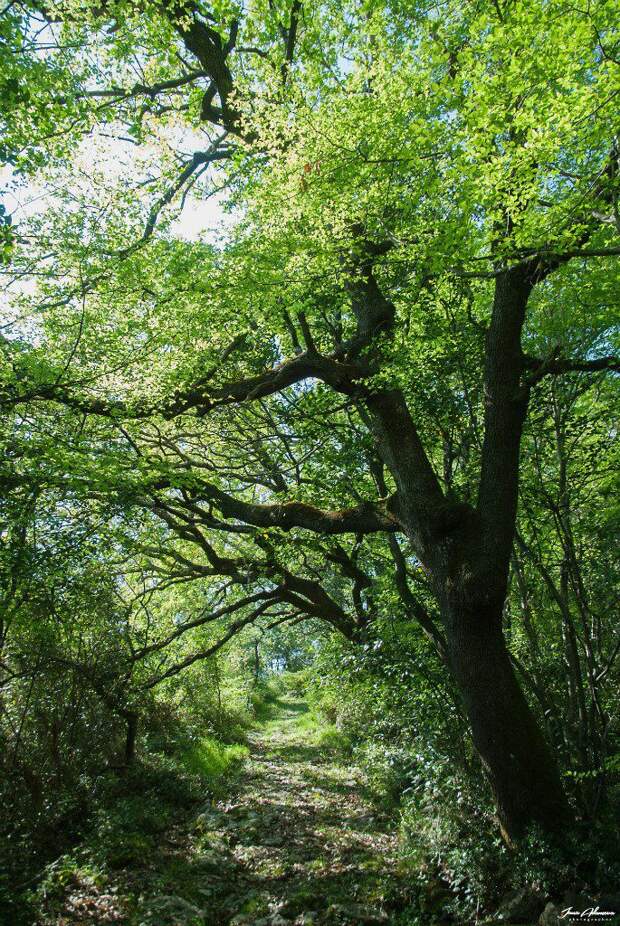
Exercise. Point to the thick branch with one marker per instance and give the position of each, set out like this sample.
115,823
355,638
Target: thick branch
207,46
367,518
556,366
291,38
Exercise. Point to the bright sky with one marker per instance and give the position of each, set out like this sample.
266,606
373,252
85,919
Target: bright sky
201,219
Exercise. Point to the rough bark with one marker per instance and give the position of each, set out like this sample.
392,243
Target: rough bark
518,762
467,552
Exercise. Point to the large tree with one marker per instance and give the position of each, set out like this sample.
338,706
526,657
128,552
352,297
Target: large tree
414,189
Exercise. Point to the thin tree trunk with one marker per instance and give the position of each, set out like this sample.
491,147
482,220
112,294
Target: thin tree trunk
130,738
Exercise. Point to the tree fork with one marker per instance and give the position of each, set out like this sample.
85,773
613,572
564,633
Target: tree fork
468,553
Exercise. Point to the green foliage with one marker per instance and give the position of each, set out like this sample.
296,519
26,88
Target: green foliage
212,760
263,699
152,445
421,769
331,739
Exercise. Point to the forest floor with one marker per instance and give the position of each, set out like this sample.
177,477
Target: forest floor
298,840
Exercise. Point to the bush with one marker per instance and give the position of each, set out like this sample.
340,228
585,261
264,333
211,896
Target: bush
296,683
388,767
262,698
450,838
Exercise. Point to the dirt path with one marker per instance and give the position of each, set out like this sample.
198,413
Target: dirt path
298,844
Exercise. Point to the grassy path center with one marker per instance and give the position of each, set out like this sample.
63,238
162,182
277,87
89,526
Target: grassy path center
296,841
299,842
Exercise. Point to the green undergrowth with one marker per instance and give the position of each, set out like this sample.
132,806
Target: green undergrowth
130,818
286,693
264,701
213,760
325,735
430,787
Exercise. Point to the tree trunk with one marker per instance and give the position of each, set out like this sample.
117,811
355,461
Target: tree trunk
519,764
130,738
256,663
467,551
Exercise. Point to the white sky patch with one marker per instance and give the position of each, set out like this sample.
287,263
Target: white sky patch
113,159
21,199
102,158
203,220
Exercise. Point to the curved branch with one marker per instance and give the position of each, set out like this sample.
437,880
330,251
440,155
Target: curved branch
232,631
366,518
204,618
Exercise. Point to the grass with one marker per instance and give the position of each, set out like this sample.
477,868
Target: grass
265,702
212,760
159,847
317,732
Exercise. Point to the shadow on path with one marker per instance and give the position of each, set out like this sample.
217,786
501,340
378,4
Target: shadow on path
304,845
298,843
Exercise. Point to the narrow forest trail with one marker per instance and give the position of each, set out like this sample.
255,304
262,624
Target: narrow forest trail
297,843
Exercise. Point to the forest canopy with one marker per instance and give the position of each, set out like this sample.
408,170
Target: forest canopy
310,333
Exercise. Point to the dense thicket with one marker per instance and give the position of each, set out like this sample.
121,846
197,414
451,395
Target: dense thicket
375,412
